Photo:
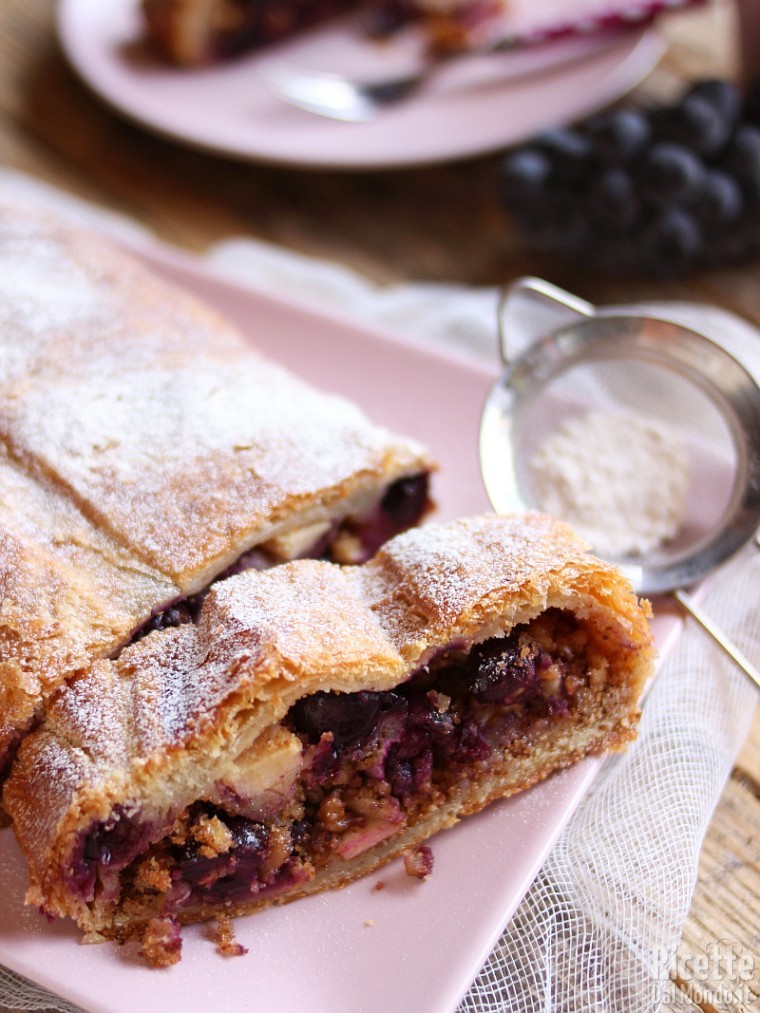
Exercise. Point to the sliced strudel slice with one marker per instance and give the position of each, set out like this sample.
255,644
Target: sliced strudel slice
145,449
319,720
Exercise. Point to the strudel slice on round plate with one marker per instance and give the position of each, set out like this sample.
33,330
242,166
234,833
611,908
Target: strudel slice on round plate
145,449
317,721
193,33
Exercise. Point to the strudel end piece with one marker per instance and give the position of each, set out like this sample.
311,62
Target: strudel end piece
319,720
145,449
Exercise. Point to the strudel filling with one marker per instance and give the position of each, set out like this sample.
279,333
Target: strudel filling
356,768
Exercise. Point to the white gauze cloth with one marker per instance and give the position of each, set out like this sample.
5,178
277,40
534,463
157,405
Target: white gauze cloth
597,929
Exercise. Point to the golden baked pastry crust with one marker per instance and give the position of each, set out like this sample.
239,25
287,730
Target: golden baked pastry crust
189,708
144,446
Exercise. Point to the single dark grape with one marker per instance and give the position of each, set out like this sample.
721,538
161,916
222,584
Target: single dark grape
721,201
671,243
524,175
671,175
620,135
611,201
723,96
570,154
742,155
699,125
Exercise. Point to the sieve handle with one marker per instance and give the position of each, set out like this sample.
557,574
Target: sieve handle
545,306
717,634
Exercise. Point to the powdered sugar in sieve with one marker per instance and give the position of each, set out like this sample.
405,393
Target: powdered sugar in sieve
618,478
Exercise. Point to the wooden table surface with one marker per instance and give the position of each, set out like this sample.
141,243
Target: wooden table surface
441,224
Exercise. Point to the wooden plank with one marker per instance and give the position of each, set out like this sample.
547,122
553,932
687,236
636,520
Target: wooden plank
748,761
725,910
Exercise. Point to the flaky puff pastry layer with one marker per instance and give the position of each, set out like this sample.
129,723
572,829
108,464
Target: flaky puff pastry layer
154,731
143,447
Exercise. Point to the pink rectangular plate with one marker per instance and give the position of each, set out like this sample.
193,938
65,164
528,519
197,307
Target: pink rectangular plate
412,946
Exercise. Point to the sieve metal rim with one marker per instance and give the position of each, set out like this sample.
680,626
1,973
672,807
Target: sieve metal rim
608,334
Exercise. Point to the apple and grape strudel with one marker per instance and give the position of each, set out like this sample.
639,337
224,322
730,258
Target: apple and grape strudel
315,721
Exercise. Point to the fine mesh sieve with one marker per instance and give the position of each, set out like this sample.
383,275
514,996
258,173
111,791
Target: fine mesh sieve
645,435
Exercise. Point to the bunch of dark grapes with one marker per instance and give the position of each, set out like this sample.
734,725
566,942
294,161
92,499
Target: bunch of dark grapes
661,191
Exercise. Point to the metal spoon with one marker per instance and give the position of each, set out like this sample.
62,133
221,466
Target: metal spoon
339,97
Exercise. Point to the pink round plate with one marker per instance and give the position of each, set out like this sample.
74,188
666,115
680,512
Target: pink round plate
473,106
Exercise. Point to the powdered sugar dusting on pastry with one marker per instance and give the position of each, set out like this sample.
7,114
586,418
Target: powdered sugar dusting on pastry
440,570
38,290
143,447
286,432
158,416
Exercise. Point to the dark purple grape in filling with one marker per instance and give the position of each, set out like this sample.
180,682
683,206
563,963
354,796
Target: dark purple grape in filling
498,673
174,615
426,717
405,501
402,506
227,876
471,746
249,839
349,716
299,831
247,835
112,844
